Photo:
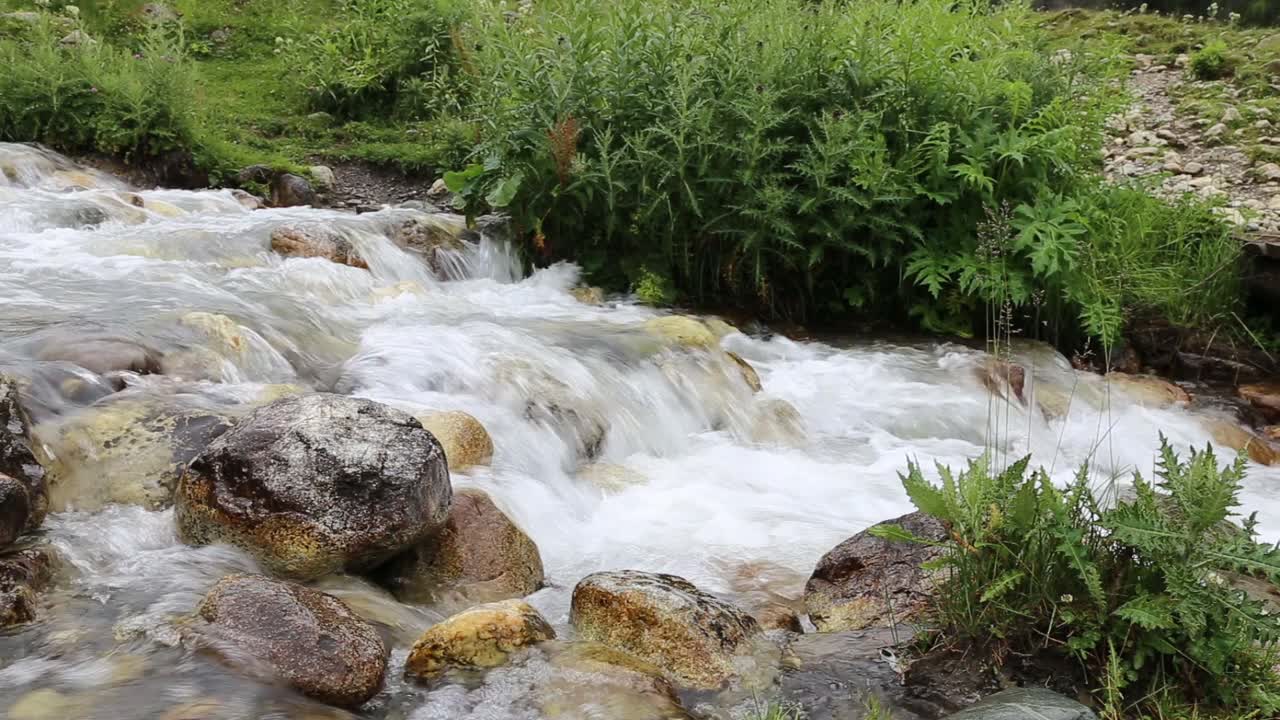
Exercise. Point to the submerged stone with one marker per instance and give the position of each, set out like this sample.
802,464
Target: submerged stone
481,637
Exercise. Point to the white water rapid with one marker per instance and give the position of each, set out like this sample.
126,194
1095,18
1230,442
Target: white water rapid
696,475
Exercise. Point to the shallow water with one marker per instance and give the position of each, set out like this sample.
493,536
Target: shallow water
720,486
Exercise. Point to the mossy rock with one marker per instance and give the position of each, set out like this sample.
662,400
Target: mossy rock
682,331
481,637
466,442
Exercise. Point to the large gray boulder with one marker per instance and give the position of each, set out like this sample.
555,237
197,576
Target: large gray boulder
867,581
307,638
664,620
316,484
1026,704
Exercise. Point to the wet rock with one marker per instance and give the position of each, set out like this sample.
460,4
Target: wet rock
479,556
612,478
323,178
315,241
248,200
1148,390
128,449
749,374
434,237
46,704
587,672
775,421
481,637
289,190
1006,380
315,484
24,574
867,581
102,355
777,616
946,679
1228,433
309,639
15,510
466,443
770,592
260,174
17,460
1265,397
681,330
831,676
1023,703
664,620
588,295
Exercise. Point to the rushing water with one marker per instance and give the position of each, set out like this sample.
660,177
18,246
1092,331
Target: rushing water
722,487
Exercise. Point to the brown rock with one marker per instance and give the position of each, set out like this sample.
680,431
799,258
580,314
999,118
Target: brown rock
478,556
15,510
319,241
481,637
1148,390
466,443
17,461
102,355
288,190
434,237
1265,397
23,574
310,639
664,620
314,484
1228,434
1004,379
588,671
588,295
1271,432
867,581
749,374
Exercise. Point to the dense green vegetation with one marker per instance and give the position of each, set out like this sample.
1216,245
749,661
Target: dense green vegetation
1145,592
915,164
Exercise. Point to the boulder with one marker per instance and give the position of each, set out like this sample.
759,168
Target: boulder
775,421
315,484
664,620
749,374
682,331
319,241
1006,380
23,574
102,355
307,638
15,510
481,637
289,190
1024,703
478,556
867,581
127,449
260,174
588,295
589,675
1265,397
323,178
466,443
17,460
1230,434
1148,390
434,237
610,478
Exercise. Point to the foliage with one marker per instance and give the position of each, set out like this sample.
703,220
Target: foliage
93,96
1142,592
384,57
1212,62
805,158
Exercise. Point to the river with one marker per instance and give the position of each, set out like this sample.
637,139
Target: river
719,484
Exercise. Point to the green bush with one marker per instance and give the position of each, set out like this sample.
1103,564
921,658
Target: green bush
93,96
384,58
1212,62
796,157
1143,592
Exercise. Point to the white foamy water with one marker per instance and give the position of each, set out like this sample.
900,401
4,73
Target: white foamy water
704,479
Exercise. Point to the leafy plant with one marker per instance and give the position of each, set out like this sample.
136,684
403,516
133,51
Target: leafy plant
1212,62
1145,593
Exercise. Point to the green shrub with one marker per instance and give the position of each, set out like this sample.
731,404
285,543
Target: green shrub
1212,62
1142,592
384,57
797,157
94,96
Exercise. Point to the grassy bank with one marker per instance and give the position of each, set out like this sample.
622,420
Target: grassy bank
928,164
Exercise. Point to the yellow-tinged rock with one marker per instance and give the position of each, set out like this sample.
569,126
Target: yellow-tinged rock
681,330
466,442
45,704
481,637
610,478
1148,390
224,333
749,374
588,295
1229,434
201,709
720,328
